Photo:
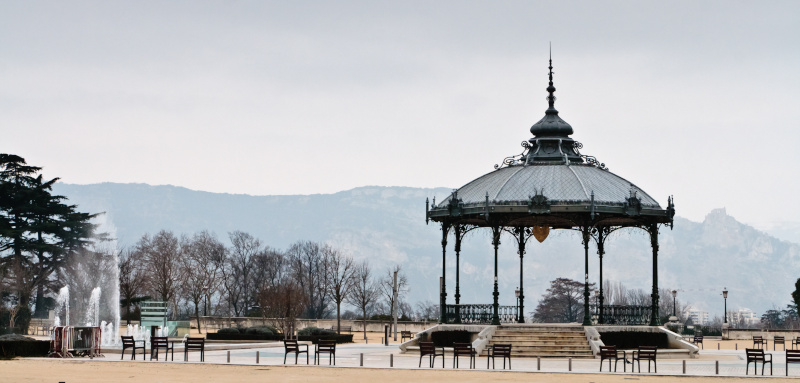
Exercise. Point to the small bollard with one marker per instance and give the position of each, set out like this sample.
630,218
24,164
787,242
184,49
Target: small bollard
684,367
391,360
570,363
717,346
538,363
258,355
361,360
716,366
737,345
229,356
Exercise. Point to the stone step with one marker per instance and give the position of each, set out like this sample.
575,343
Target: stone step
546,334
501,336
582,346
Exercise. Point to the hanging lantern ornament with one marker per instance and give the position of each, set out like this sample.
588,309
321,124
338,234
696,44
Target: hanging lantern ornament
540,232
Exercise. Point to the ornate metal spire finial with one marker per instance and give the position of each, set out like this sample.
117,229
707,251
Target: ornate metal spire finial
551,99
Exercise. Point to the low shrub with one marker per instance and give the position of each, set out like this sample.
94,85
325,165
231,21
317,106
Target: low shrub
230,330
261,330
29,348
308,331
239,336
341,338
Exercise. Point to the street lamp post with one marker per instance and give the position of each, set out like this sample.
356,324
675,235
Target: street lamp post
674,298
725,297
519,314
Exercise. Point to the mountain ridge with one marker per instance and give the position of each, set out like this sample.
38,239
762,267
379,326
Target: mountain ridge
386,225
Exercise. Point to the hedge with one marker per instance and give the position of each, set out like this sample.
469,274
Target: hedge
240,336
343,338
33,348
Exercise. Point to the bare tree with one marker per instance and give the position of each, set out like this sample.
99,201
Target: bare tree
308,268
238,271
427,311
283,303
203,257
131,279
365,292
339,274
387,288
162,264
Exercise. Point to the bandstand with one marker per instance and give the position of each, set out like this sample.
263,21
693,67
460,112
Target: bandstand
549,186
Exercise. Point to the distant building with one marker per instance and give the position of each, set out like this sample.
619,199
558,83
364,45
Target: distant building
698,317
744,316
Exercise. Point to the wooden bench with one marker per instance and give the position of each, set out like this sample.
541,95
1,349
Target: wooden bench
291,346
405,335
755,355
431,351
647,353
198,344
159,342
759,341
698,339
463,349
778,340
325,346
499,350
611,353
792,356
795,342
129,342
343,329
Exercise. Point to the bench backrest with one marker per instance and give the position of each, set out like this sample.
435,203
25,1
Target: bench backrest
426,348
754,354
647,352
608,352
405,334
159,341
194,343
792,356
462,348
326,345
779,339
501,350
127,341
698,338
758,338
290,345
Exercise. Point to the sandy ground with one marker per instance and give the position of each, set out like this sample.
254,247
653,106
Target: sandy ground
57,370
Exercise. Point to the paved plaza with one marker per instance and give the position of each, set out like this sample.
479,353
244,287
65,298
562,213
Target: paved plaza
711,362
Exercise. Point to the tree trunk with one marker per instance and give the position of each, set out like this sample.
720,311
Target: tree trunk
338,318
41,311
197,315
365,323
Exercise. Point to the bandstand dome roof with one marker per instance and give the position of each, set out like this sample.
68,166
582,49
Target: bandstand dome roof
551,183
558,182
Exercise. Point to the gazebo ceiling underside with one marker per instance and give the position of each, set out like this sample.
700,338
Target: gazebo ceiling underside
554,195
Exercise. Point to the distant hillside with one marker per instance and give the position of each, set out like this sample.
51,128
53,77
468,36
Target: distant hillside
387,225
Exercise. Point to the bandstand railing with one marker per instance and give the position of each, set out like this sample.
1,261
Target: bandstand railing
623,314
479,313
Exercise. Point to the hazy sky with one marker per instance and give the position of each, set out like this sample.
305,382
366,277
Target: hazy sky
693,99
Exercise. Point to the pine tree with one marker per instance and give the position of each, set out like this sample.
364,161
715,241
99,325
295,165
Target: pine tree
38,232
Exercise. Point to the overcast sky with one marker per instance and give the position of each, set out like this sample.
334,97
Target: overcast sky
695,99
